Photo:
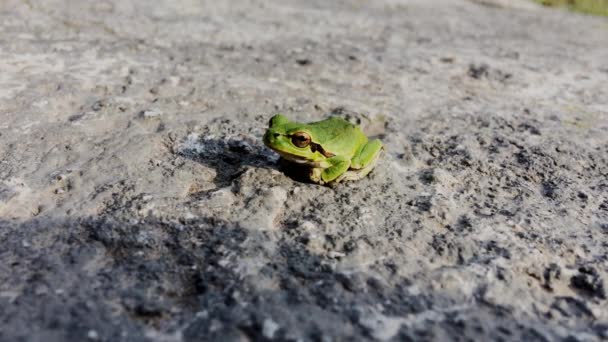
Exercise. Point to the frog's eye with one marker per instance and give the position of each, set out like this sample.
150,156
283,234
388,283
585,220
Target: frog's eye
300,139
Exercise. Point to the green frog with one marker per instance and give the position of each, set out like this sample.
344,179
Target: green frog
333,149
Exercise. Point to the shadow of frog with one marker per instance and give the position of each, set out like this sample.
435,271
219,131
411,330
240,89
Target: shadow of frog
230,157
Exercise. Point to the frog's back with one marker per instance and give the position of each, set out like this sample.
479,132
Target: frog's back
338,135
328,129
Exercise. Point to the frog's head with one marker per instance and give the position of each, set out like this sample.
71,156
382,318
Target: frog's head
292,140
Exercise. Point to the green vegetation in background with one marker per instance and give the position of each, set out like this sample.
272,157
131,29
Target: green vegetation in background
597,7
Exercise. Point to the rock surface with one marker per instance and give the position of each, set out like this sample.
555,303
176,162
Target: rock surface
137,202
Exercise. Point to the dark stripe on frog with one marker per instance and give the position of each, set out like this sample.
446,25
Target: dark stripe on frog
316,147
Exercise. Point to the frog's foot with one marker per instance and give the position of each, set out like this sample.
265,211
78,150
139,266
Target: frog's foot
315,175
338,165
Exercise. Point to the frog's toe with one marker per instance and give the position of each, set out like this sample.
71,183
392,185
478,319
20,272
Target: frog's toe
315,175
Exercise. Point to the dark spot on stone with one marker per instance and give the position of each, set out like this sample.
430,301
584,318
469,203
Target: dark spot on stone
478,71
551,273
391,266
75,117
601,329
303,61
464,224
439,240
339,111
423,203
548,189
502,274
588,283
98,105
427,176
503,330
375,284
350,246
347,282
531,334
526,127
582,196
493,247
505,212
571,307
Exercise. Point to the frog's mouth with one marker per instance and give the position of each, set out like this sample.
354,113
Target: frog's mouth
302,160
296,159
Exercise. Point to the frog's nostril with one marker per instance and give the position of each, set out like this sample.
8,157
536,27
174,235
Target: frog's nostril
276,135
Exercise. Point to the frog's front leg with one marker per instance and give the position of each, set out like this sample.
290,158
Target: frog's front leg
337,166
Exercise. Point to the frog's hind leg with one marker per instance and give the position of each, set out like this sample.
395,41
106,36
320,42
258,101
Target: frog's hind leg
367,154
363,162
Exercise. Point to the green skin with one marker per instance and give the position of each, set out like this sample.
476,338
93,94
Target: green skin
336,151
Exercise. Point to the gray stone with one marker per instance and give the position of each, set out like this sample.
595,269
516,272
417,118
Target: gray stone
138,203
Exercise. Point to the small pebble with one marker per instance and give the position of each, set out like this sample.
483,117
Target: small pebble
93,335
269,328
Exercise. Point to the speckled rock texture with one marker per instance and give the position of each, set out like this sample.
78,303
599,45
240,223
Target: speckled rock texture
138,203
